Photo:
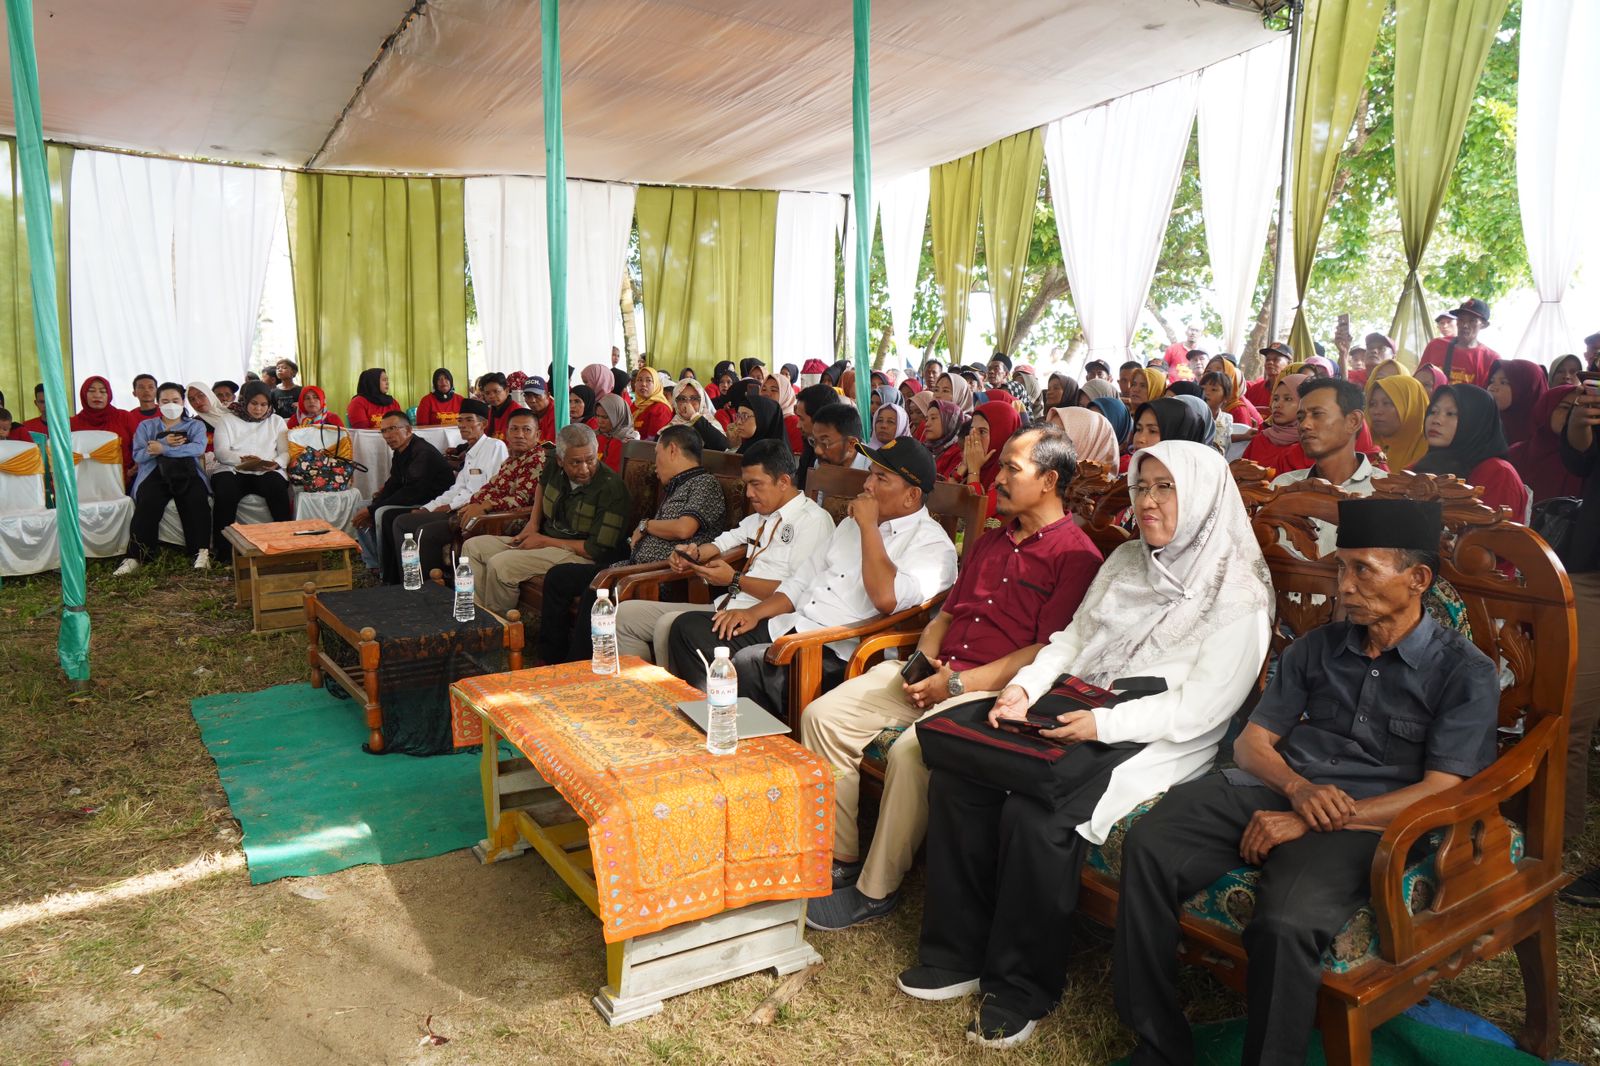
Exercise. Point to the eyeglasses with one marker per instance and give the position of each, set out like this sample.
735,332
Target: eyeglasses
1160,492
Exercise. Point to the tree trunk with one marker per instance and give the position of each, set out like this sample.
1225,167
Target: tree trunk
1166,327
630,334
933,339
883,348
1052,286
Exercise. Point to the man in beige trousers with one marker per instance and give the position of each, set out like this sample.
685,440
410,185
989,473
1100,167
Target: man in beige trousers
1017,586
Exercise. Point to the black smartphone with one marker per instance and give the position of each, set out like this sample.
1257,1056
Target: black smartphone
687,555
917,668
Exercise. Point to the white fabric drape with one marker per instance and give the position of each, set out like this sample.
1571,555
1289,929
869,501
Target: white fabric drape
1113,172
903,215
803,277
168,262
1558,151
508,249
1241,103
222,243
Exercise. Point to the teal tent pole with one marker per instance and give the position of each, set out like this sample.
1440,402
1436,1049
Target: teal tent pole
555,203
861,204
72,645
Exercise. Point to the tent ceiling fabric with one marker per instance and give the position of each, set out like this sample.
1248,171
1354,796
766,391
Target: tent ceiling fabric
754,94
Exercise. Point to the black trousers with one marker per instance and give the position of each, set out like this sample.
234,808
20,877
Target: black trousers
433,538
150,503
228,487
767,685
1309,888
1002,883
563,636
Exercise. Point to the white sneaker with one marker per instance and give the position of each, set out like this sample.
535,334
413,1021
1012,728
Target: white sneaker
129,566
202,559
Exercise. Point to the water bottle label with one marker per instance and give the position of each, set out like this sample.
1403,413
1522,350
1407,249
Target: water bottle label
463,586
603,626
722,691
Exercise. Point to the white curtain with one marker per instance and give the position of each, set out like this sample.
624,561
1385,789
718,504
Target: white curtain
1558,153
508,248
903,214
1113,172
1241,102
803,277
168,261
222,243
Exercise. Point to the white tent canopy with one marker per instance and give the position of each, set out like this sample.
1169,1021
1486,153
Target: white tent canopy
753,94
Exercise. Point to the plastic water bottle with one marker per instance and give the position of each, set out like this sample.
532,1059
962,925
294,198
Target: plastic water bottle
411,563
722,697
603,634
466,610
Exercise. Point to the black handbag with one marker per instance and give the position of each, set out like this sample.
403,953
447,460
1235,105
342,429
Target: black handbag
1014,758
1556,520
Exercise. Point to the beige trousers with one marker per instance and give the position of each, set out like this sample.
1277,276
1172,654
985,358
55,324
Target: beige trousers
643,626
498,569
839,726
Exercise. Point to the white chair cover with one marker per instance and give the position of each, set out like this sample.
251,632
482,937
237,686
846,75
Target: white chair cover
335,508
252,511
28,537
372,453
105,510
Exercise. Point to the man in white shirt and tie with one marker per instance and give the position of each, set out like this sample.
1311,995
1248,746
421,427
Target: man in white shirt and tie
888,556
783,530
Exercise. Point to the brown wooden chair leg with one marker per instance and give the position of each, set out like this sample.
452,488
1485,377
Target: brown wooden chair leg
368,649
1536,957
1346,1033
312,639
514,638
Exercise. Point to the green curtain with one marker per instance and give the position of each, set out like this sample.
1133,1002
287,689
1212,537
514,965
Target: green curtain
1439,53
379,280
953,193
1011,168
707,259
1336,41
19,359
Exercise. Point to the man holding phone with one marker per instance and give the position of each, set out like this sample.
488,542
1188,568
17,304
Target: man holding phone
783,529
1020,584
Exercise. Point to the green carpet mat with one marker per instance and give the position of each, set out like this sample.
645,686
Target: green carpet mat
310,801
1398,1042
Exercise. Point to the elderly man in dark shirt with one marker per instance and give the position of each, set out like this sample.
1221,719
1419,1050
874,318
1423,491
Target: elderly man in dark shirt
692,512
1363,718
417,473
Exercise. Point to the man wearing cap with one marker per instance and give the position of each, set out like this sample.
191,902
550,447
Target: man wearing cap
1275,358
1019,585
1379,350
1446,324
1460,356
536,395
889,555
481,459
1362,718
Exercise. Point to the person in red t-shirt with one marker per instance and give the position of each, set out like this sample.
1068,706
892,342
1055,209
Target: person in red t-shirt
1463,360
23,431
1177,353
1276,358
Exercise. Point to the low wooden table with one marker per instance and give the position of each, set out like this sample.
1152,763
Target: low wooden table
394,640
697,866
270,569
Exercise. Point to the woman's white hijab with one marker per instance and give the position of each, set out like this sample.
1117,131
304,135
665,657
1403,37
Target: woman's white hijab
1160,599
706,409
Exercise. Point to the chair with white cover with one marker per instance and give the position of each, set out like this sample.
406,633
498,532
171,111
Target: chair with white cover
29,542
335,508
252,511
105,510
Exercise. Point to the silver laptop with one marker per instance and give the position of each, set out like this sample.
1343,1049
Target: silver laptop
754,721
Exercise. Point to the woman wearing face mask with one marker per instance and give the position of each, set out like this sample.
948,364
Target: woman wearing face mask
167,452
1276,445
441,406
313,409
692,407
252,453
95,411
371,401
1465,439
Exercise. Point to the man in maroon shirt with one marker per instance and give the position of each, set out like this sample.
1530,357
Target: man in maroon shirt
1019,584
1461,357
1276,357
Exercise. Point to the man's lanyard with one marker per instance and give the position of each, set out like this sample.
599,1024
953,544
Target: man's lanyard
761,546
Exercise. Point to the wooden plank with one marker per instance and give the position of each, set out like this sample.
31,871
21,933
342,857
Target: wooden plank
685,971
718,927
578,878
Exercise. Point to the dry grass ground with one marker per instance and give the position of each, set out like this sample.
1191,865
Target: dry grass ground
108,784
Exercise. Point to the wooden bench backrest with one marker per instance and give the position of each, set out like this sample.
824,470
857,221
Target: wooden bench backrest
955,507
639,474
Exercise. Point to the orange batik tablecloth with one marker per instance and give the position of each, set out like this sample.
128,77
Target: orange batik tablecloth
676,833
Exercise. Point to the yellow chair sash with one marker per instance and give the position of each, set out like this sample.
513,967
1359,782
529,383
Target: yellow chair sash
28,463
109,453
344,450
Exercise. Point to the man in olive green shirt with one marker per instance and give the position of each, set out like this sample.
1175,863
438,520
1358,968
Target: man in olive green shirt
579,515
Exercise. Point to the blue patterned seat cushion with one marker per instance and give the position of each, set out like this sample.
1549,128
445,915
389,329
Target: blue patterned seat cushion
1231,900
878,750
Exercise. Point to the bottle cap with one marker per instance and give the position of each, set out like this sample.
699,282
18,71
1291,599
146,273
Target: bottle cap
719,653
602,594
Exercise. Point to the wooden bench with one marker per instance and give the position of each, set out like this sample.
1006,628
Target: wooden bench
1489,883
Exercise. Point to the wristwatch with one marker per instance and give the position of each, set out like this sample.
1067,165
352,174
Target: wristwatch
642,523
954,684
733,587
